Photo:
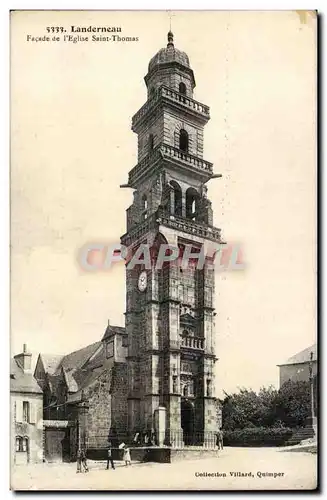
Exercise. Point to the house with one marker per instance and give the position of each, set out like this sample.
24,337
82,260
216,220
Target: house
26,407
296,368
84,394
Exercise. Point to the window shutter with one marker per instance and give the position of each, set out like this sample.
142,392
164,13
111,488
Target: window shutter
19,411
33,409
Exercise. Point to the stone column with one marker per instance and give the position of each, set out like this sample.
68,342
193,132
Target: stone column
160,425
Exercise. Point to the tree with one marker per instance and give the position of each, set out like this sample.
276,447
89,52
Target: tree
248,409
288,407
292,404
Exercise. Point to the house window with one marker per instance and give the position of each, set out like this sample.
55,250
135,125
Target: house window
21,444
110,349
26,411
182,88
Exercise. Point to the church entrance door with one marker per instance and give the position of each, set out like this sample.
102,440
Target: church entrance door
187,421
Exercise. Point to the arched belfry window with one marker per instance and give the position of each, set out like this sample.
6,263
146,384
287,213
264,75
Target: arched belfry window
151,142
183,140
144,207
182,88
177,192
192,203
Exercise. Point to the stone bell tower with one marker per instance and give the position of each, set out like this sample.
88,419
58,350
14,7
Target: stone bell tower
170,311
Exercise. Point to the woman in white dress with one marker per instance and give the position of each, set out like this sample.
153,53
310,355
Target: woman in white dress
127,456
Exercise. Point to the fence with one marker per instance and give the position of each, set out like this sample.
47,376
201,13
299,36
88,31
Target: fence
168,438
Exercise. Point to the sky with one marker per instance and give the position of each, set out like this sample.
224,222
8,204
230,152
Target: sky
72,147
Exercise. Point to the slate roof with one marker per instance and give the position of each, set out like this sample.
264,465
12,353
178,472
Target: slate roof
80,368
51,362
90,377
70,381
22,382
111,330
302,356
77,359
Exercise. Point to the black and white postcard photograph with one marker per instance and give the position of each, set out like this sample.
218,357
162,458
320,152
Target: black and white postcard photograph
163,248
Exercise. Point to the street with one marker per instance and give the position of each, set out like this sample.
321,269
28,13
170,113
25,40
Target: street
234,468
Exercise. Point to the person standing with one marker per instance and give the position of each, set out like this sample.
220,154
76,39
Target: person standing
220,439
79,460
109,457
83,460
127,456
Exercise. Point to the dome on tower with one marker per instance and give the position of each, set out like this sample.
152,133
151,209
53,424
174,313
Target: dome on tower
169,54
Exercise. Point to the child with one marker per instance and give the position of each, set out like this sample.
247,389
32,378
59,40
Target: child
127,456
79,460
83,460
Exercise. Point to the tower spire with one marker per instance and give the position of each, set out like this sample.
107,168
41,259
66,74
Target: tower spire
170,33
170,37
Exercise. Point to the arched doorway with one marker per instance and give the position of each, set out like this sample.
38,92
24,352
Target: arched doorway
187,421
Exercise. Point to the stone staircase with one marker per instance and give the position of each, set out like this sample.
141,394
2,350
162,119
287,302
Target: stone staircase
300,435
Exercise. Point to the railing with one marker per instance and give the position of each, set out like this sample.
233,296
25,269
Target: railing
187,158
171,95
193,342
168,152
188,226
186,101
168,438
179,223
143,165
139,230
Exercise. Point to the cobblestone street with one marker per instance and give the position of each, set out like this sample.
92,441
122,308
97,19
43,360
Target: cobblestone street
291,471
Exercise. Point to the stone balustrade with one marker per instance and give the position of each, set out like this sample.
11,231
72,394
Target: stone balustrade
191,227
179,223
193,342
168,152
188,159
171,95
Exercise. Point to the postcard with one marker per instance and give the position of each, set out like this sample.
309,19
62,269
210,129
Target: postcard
163,250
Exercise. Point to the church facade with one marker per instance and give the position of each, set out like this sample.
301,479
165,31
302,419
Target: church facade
170,314
156,376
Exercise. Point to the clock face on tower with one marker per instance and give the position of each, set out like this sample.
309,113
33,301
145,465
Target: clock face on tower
142,281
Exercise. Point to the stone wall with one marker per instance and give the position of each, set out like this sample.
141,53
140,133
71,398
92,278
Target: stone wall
119,393
99,412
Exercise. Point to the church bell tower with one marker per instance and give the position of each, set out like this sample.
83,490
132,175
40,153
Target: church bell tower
170,312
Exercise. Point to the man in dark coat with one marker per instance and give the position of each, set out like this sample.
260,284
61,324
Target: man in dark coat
109,457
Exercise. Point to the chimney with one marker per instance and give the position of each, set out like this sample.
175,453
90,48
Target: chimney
24,360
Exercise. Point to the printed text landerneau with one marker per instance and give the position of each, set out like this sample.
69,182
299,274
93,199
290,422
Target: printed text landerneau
95,29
